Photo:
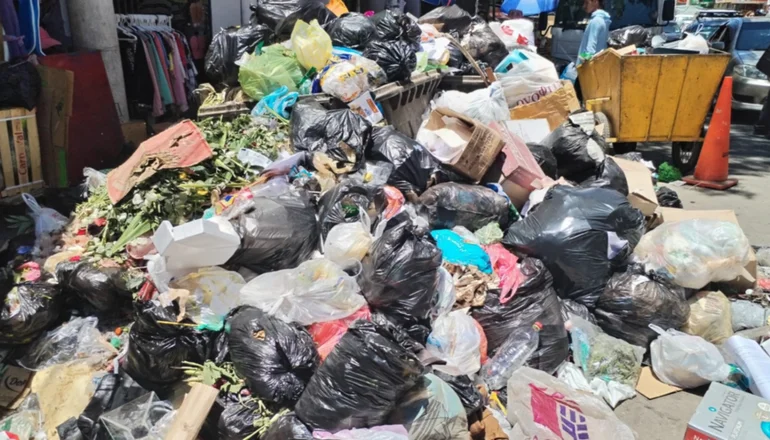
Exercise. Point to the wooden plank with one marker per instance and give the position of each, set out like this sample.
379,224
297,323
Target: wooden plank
191,415
701,83
673,70
639,78
20,146
34,148
5,149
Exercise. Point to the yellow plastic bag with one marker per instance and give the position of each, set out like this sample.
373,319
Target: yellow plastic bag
338,7
312,44
710,317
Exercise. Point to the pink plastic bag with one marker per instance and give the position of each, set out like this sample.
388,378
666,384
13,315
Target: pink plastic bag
506,266
327,334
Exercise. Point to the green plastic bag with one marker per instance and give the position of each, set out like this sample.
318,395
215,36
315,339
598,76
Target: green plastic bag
265,73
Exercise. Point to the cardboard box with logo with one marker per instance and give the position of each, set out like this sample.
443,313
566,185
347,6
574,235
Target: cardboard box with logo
554,107
482,144
727,413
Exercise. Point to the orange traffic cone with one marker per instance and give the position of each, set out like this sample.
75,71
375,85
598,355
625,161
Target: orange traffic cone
711,170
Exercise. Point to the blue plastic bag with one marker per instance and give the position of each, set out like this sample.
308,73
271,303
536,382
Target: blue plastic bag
458,251
276,103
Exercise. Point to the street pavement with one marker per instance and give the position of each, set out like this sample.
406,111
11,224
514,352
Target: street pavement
666,418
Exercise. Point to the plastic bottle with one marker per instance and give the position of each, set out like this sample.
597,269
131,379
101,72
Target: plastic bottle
754,362
514,352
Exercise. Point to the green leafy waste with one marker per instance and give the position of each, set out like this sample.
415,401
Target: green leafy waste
668,173
181,195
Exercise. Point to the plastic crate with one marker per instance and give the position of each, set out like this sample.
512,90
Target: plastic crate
462,83
403,104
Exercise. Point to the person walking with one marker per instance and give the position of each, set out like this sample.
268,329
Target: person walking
597,31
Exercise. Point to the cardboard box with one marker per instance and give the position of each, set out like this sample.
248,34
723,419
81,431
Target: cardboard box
483,146
727,413
20,155
749,280
641,193
515,168
54,113
555,107
14,382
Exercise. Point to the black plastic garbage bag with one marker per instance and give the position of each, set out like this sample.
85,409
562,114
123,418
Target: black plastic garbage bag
360,382
632,301
581,234
456,57
352,30
569,307
157,349
414,167
274,357
400,273
410,333
102,289
281,15
287,427
535,301
545,159
636,35
113,391
483,44
451,18
28,310
20,85
454,204
392,25
343,204
277,231
342,134
668,198
577,154
231,418
397,58
228,46
466,390
609,175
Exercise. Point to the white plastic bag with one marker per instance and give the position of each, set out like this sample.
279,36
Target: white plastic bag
695,252
455,339
347,243
315,291
695,43
515,33
546,408
445,294
526,88
385,432
686,361
530,63
94,179
213,293
485,105
612,392
47,220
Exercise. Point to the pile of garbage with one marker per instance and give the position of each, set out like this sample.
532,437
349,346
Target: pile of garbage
306,273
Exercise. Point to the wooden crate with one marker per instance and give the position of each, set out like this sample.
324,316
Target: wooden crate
22,170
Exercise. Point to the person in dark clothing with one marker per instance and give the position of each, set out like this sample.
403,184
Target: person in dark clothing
762,126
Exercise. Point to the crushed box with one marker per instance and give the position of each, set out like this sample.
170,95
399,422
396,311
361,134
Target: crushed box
727,413
555,107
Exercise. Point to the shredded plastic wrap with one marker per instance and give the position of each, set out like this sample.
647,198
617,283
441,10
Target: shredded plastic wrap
696,252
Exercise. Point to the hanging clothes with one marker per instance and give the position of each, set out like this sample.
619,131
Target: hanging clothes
157,66
13,39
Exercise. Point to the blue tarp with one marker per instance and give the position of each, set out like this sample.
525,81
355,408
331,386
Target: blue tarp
528,7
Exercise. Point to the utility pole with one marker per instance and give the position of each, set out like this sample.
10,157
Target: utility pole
94,27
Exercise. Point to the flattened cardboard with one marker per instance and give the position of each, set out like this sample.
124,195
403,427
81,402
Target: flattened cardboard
14,382
749,279
554,107
650,387
641,193
54,109
482,149
180,146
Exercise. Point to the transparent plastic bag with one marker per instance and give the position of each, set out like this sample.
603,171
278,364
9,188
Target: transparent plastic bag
27,421
312,44
94,179
600,355
695,252
486,105
384,432
47,220
143,418
315,291
445,294
686,361
76,340
544,407
456,339
748,315
263,74
347,243
710,317
344,80
213,292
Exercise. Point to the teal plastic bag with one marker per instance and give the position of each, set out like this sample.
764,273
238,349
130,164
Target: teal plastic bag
263,74
458,251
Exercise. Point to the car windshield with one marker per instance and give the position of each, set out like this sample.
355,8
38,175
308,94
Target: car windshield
754,36
707,28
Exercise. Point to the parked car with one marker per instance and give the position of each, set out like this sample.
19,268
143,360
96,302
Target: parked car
746,39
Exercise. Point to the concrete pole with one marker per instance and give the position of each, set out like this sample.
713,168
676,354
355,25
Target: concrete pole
94,28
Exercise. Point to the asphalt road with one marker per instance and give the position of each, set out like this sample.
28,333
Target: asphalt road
666,418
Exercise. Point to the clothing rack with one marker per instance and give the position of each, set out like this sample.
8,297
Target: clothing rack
143,20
